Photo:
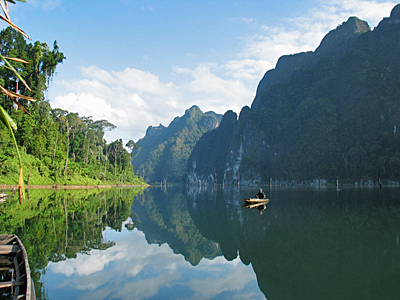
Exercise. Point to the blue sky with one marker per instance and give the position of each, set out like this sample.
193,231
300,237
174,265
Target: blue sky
141,63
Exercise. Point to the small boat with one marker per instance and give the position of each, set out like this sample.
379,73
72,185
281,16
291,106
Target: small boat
15,275
256,200
252,205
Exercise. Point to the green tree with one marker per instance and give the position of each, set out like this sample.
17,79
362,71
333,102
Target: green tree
131,146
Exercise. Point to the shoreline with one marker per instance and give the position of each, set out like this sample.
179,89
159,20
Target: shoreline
66,187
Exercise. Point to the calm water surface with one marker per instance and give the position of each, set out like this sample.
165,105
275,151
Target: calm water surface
202,244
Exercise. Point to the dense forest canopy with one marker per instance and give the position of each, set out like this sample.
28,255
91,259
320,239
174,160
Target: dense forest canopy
57,146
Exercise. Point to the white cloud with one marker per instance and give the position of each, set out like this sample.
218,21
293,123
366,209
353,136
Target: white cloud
213,92
142,82
134,99
247,69
304,33
88,105
272,42
339,10
130,99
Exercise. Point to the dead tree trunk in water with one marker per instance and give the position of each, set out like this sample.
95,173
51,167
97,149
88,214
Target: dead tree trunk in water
379,179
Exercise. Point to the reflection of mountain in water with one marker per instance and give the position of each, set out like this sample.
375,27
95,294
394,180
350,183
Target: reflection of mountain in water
309,244
218,217
164,218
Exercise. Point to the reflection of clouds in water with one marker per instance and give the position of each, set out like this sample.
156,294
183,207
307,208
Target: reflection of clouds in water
133,269
141,289
133,253
89,264
144,289
224,276
82,283
236,280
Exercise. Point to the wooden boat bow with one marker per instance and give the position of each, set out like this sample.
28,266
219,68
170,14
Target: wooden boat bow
15,274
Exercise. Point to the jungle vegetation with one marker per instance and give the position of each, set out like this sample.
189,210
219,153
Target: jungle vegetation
57,146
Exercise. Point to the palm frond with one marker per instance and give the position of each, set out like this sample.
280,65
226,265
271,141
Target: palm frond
7,120
14,26
16,59
15,71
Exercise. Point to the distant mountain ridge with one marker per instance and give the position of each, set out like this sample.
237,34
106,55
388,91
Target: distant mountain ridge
327,114
163,152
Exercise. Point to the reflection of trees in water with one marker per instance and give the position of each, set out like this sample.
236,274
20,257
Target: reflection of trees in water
310,244
163,217
56,225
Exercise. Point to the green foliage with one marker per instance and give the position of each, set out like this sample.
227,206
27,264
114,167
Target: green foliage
163,153
58,147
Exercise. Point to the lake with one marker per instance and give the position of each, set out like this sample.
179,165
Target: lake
201,243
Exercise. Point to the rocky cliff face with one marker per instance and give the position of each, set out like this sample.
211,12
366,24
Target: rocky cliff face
207,160
335,44
321,114
340,40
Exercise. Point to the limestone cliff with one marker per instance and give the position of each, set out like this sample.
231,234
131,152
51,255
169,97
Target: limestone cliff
329,113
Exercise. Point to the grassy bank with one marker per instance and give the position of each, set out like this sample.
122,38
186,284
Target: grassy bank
43,173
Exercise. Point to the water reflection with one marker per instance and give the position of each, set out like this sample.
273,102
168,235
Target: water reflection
164,218
58,225
202,244
310,244
133,269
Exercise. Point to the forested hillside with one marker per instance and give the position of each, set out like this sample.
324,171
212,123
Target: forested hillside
324,114
57,146
163,152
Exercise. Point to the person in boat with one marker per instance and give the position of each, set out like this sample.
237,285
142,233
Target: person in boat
261,195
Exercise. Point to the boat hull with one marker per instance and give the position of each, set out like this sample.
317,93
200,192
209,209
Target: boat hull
256,200
253,205
16,278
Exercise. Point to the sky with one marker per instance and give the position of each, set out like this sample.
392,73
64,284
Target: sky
143,63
